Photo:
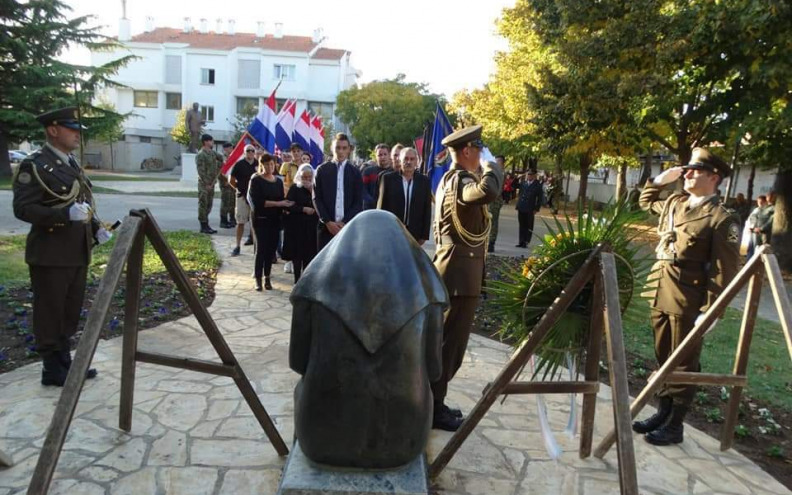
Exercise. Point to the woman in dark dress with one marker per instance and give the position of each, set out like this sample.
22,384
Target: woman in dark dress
265,197
299,235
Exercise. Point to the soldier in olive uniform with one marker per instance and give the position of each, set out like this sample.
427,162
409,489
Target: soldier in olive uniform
698,256
462,227
208,163
54,196
227,194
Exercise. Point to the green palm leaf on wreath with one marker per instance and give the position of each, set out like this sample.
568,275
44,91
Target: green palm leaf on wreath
522,296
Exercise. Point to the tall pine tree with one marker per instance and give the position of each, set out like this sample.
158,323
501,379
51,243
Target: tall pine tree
33,34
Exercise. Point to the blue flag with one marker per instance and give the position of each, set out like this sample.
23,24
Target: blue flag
439,159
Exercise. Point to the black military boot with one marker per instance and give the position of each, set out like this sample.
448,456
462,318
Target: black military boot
54,373
258,284
671,432
444,419
658,419
66,361
457,413
206,229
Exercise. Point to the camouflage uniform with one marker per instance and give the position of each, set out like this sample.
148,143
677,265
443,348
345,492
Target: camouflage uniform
227,198
208,165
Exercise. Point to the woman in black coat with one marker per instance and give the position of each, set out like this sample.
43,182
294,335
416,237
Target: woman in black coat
265,197
299,235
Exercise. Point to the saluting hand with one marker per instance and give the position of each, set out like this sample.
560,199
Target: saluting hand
667,177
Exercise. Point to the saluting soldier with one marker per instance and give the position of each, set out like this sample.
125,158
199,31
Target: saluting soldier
54,196
208,163
698,256
462,228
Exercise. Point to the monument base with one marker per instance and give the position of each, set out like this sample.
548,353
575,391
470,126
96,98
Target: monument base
189,173
301,476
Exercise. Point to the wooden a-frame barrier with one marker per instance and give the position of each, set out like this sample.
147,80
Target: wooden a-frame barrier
128,251
751,274
605,318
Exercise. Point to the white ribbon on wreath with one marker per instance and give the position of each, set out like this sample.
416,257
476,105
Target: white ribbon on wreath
551,444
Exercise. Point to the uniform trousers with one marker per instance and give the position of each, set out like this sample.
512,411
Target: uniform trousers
205,198
58,293
458,320
669,332
526,221
494,209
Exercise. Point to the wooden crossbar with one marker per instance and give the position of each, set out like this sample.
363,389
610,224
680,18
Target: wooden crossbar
600,267
128,251
751,274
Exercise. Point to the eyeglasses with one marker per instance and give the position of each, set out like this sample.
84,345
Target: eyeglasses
250,151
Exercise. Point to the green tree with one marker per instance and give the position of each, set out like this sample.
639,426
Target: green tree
32,35
386,111
239,124
179,132
105,125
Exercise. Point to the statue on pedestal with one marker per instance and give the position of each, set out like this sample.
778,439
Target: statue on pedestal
366,336
193,122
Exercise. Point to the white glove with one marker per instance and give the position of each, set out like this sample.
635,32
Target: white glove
486,157
103,235
700,318
79,212
667,177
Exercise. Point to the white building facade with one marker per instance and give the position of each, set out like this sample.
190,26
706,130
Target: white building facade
221,70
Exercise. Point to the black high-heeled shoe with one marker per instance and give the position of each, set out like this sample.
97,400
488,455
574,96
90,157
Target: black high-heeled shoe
258,284
267,284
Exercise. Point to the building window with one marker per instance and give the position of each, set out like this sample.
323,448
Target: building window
207,113
173,69
207,76
247,102
285,72
173,101
249,74
145,99
321,108
145,139
279,102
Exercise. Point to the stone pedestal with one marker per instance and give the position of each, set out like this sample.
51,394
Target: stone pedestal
188,171
301,476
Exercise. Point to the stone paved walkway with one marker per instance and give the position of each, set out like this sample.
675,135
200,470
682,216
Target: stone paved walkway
193,434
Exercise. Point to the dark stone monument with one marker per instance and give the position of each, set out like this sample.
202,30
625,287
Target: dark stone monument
366,334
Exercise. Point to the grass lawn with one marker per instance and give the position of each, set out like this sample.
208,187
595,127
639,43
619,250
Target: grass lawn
769,367
194,250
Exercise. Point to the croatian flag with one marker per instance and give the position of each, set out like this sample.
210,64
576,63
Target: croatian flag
302,131
285,126
262,129
317,141
237,153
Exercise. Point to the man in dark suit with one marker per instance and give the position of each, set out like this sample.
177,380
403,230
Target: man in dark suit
408,195
54,196
529,201
338,193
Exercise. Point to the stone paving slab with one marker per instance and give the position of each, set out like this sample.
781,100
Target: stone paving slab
193,434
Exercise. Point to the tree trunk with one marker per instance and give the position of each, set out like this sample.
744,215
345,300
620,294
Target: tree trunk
559,172
112,157
732,180
781,239
5,162
646,170
566,194
751,177
684,154
585,166
621,182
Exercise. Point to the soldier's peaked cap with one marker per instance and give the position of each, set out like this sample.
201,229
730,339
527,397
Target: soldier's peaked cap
66,117
702,159
462,137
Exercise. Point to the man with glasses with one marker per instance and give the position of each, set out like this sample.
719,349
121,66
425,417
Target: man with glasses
241,173
462,227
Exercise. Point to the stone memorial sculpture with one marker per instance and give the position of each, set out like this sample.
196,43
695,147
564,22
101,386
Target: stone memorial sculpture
193,122
366,337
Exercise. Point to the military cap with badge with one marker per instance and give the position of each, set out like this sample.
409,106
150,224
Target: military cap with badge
65,117
702,159
469,136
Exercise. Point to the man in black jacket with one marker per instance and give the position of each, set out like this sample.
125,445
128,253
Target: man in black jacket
408,195
529,201
338,194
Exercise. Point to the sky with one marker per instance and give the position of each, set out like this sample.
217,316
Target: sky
448,44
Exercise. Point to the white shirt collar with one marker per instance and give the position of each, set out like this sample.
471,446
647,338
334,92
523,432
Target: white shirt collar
695,201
